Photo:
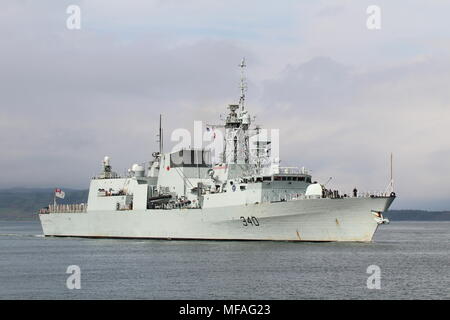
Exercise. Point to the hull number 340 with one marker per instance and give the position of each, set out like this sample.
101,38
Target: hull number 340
247,221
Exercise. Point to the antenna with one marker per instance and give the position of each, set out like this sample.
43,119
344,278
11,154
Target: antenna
392,175
243,85
160,135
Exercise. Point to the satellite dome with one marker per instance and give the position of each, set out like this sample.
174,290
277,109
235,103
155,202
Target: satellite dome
138,170
314,190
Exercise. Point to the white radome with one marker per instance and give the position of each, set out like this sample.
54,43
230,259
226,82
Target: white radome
138,170
314,190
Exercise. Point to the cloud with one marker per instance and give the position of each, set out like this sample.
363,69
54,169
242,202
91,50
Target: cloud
345,124
342,96
69,98
332,10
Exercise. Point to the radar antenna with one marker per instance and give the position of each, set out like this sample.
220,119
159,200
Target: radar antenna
243,85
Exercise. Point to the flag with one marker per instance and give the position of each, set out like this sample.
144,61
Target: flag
208,129
59,193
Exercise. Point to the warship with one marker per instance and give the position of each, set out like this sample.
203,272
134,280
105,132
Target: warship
244,194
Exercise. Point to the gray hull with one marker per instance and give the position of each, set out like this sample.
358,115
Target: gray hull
348,219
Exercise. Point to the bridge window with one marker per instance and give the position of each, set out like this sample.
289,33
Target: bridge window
190,158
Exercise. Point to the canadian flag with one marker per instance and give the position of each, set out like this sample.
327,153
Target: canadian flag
59,193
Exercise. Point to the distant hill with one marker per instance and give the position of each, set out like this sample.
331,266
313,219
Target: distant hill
417,215
23,204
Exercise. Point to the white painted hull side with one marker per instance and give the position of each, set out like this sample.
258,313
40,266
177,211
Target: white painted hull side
348,219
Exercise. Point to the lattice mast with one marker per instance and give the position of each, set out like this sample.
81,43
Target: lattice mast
243,84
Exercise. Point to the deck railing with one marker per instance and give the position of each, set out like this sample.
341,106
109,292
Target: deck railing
300,196
291,170
65,208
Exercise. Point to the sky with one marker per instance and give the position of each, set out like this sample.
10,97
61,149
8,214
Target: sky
343,96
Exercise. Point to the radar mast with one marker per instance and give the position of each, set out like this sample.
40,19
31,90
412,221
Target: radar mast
243,84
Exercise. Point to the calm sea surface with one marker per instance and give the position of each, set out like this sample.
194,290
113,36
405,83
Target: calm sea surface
414,258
